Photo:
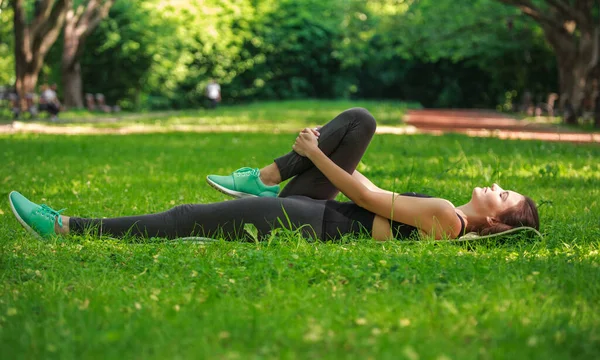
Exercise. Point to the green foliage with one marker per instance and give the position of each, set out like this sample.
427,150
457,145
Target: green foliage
460,54
7,58
281,50
214,33
296,46
124,46
160,54
78,297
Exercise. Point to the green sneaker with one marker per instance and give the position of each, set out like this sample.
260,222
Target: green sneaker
37,219
244,182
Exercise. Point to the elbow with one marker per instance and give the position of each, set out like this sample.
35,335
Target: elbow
362,198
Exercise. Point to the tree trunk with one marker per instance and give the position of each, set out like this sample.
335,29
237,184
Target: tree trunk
566,82
597,108
71,68
26,76
32,42
576,61
573,32
26,79
72,86
80,22
575,92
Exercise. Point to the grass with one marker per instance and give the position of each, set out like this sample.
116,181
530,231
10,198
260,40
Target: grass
78,297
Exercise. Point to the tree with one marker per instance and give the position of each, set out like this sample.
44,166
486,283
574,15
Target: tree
80,21
573,31
120,53
7,59
297,47
34,39
458,53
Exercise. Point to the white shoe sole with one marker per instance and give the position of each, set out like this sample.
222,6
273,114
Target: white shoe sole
27,227
227,191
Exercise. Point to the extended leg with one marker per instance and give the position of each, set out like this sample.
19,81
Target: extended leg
224,219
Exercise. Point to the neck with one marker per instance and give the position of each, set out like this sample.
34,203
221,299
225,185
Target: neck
473,220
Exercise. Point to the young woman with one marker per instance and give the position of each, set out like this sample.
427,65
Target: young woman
322,164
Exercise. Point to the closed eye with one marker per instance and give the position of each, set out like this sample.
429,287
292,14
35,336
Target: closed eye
504,195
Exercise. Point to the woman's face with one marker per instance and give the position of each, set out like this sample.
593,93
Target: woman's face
491,201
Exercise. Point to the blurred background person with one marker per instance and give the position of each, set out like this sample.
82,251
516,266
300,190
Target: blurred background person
49,101
213,93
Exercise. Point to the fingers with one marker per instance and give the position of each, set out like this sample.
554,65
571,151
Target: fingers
308,133
305,141
314,131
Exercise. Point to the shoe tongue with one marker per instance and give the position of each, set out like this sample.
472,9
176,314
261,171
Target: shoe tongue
50,210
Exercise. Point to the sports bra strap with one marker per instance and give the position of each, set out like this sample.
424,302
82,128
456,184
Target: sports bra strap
462,225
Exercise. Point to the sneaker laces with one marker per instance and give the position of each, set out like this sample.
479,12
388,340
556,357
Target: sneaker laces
246,171
51,214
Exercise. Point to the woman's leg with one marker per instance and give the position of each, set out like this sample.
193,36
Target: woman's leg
223,219
344,140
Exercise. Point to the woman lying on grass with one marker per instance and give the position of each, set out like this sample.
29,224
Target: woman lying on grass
322,164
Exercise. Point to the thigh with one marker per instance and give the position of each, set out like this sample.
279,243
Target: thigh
229,218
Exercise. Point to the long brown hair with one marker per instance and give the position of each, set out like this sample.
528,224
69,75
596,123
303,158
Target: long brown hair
524,213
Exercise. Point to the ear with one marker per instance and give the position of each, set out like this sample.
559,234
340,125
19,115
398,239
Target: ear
491,221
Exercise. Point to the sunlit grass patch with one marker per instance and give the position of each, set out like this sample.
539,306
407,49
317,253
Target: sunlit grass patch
260,116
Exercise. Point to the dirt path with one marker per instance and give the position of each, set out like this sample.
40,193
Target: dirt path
491,124
479,123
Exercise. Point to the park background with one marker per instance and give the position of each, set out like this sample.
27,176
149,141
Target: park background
284,65
149,55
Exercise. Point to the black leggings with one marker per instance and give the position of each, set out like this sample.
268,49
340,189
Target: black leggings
301,205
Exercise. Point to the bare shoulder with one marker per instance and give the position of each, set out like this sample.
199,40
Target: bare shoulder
447,203
450,222
445,208
440,203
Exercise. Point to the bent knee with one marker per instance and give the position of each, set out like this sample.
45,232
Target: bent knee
363,119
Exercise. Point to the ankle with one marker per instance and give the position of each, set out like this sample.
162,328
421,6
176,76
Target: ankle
270,176
269,180
64,229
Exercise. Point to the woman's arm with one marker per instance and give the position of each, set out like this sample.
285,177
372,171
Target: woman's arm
365,181
435,217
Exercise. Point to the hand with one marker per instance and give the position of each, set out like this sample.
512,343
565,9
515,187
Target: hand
306,142
314,130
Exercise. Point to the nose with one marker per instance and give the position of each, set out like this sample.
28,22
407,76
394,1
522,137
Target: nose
496,187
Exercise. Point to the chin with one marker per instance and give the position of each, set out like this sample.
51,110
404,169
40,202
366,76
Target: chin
477,194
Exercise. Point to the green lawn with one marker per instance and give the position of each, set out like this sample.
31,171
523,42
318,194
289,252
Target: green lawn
77,297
